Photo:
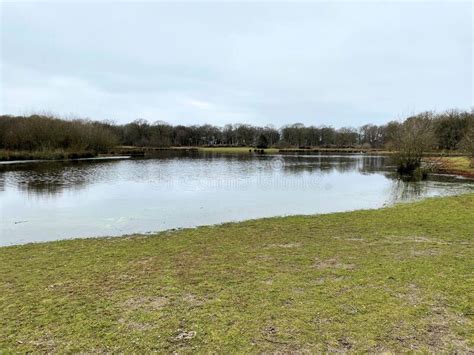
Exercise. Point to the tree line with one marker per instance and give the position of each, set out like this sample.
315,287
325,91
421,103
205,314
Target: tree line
449,130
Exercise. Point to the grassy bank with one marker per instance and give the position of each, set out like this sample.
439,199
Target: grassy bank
289,150
317,150
453,165
335,150
11,155
393,279
234,150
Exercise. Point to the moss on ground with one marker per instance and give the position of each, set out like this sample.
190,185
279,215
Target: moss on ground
393,279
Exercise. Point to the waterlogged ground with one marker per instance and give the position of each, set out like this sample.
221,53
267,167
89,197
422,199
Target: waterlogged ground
56,200
390,280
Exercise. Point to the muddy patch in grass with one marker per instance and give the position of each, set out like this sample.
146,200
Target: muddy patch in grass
264,257
323,279
137,304
439,330
270,330
412,295
355,239
46,343
332,263
285,245
425,252
345,343
436,333
149,303
394,239
137,326
193,300
417,252
184,335
270,334
143,261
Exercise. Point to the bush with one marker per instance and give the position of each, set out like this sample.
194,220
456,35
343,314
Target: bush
414,137
262,141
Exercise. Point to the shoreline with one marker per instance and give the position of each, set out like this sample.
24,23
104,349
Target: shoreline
400,270
144,151
151,234
449,165
454,164
113,157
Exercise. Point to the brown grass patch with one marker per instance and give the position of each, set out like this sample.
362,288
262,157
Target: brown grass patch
286,245
149,303
332,263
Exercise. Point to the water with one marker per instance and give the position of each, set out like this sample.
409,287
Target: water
42,201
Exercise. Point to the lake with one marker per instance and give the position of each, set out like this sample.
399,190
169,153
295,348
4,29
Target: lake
44,201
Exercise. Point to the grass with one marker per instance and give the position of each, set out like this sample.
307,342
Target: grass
287,150
58,154
462,165
336,150
234,150
8,155
312,150
394,279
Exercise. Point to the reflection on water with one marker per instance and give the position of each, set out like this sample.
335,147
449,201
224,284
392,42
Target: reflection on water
50,178
54,200
405,190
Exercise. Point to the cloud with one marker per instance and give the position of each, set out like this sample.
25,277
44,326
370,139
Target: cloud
201,105
339,63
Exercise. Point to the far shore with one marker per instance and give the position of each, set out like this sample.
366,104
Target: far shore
442,162
10,155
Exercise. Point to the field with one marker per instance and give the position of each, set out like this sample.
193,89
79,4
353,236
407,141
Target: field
454,165
394,279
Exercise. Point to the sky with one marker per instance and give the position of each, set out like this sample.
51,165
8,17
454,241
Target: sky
338,63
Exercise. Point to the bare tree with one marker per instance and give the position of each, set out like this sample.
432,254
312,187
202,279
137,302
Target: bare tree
467,143
413,138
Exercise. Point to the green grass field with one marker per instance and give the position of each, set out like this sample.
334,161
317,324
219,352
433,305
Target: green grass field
394,279
456,165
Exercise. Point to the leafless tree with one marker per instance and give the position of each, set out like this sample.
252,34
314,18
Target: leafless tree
413,138
467,142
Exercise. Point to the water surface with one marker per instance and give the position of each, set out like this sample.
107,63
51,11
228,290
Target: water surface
43,201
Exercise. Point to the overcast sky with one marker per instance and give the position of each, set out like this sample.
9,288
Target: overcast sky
338,63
